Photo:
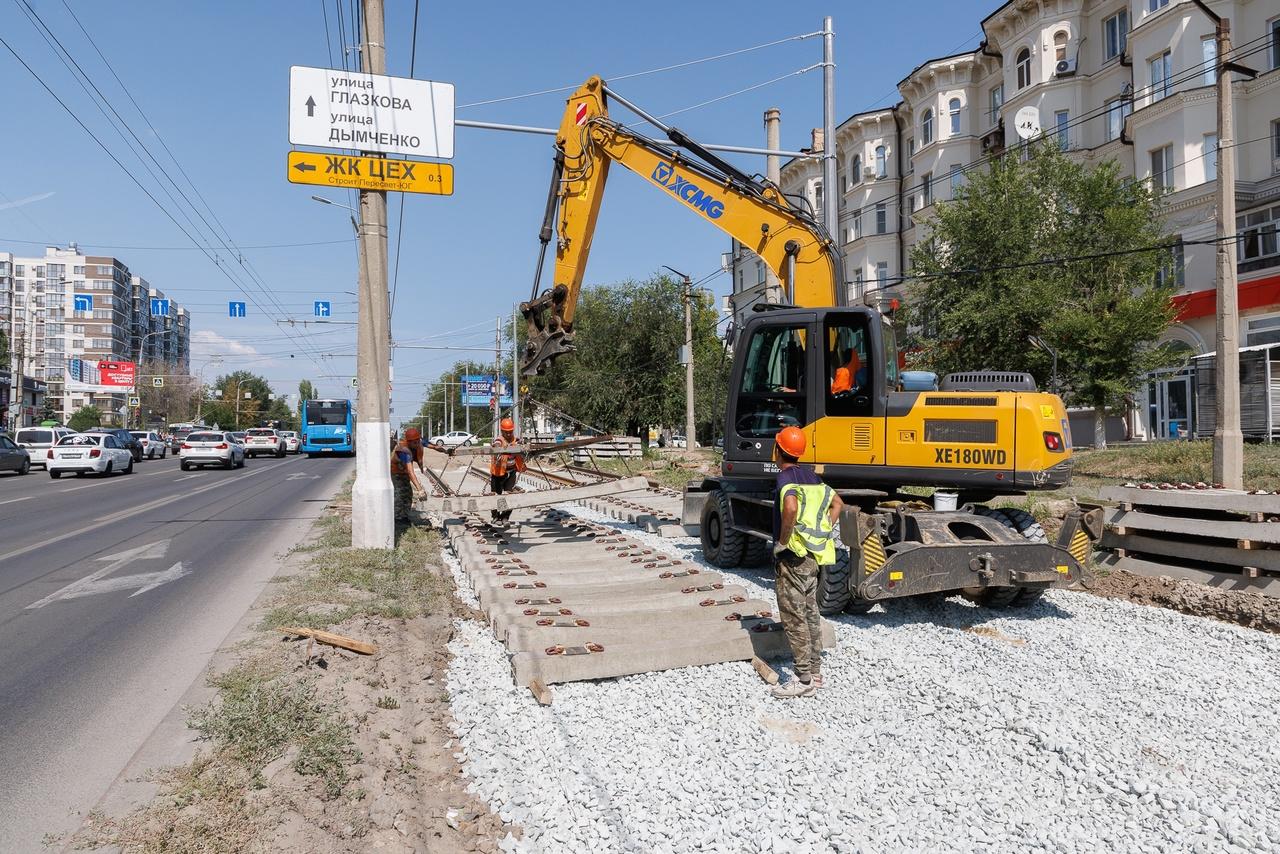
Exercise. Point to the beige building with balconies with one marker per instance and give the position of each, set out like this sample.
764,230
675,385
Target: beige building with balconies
1124,80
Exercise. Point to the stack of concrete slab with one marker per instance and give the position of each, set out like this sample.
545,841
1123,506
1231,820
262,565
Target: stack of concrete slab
573,600
656,510
1222,537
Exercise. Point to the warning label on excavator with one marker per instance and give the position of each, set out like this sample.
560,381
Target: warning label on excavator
370,173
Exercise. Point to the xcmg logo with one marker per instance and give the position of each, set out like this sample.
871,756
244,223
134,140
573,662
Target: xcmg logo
690,193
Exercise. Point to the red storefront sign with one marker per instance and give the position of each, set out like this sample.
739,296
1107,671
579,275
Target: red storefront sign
121,374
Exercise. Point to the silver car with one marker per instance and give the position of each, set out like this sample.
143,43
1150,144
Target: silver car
292,443
152,445
209,448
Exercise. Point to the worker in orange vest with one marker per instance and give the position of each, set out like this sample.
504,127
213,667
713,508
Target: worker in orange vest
505,469
847,375
406,453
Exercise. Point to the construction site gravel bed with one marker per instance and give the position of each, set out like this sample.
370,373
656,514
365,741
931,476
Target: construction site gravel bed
1081,724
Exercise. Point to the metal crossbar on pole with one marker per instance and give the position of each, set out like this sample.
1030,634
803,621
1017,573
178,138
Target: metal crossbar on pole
738,149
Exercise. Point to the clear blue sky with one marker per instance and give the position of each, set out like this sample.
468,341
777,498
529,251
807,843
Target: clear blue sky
213,79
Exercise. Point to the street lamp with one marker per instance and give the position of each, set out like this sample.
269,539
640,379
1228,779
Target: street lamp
248,394
322,200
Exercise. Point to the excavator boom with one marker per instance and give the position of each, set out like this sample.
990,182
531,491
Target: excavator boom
787,238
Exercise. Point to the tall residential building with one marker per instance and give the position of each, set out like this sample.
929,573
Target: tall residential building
67,308
1124,80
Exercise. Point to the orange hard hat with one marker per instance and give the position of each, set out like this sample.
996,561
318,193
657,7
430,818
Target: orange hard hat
790,441
507,425
413,434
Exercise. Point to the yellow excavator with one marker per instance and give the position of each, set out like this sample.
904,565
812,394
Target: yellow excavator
831,369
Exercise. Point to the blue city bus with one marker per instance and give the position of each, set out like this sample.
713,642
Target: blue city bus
328,427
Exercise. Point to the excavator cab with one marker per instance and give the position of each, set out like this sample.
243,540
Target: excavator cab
827,371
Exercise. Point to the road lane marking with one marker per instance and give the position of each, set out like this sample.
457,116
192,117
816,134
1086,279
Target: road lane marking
27,498
96,583
103,521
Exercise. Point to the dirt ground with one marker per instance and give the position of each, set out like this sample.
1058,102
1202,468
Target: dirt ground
315,748
1252,610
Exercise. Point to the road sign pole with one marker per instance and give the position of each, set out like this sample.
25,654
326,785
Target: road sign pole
372,522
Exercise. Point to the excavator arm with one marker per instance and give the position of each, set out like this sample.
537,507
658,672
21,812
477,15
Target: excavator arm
788,239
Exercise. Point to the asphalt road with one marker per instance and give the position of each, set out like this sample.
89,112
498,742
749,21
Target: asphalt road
114,594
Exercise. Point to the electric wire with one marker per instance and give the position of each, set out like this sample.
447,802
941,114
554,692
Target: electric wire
644,73
395,277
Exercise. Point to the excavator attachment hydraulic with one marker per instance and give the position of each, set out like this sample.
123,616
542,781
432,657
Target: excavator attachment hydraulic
548,336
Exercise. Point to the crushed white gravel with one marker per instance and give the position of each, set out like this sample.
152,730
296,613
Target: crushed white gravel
1082,724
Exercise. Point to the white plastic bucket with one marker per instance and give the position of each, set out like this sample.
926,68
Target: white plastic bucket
945,500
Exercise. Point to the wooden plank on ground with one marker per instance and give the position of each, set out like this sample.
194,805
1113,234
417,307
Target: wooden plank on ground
1208,553
528,450
1225,500
1267,586
332,639
1255,532
540,498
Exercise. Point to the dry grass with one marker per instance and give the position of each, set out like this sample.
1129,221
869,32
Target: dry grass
1173,462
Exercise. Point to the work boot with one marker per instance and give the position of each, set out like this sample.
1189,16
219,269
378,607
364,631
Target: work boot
794,688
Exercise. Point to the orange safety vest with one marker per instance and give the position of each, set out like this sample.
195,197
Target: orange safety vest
399,469
502,463
845,373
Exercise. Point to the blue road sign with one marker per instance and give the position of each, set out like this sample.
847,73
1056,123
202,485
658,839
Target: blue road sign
83,302
159,307
322,308
235,309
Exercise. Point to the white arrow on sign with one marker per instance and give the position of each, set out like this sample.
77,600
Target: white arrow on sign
98,582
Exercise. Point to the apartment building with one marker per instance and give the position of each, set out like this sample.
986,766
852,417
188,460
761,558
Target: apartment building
1126,80
67,309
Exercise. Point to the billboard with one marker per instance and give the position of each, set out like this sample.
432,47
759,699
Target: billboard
477,390
100,377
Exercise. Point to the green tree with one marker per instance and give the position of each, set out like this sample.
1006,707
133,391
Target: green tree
253,391
626,374
432,412
47,410
988,278
278,410
4,351
306,391
85,417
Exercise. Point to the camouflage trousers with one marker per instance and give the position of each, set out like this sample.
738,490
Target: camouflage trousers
404,496
797,586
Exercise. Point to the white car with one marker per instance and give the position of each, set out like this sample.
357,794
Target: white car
209,448
454,439
80,453
152,445
38,440
264,440
292,444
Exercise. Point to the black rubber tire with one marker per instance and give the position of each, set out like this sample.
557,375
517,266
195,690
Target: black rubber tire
129,468
758,552
834,595
25,467
240,464
231,461
55,474
107,471
1010,597
184,466
721,546
280,454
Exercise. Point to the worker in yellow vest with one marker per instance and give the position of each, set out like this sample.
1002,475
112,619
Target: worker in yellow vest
805,513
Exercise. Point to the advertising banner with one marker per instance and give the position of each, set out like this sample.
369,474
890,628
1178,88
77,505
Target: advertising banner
477,390
100,377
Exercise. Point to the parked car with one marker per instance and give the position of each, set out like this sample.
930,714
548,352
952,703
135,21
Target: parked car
453,439
153,445
678,441
12,457
37,440
124,439
210,448
292,441
80,453
264,440
238,436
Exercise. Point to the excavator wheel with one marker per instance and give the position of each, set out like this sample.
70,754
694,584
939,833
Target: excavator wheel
1010,597
758,552
721,545
834,595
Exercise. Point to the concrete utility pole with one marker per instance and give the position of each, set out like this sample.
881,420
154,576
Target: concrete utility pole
689,426
1228,444
830,192
515,373
497,374
773,172
372,525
